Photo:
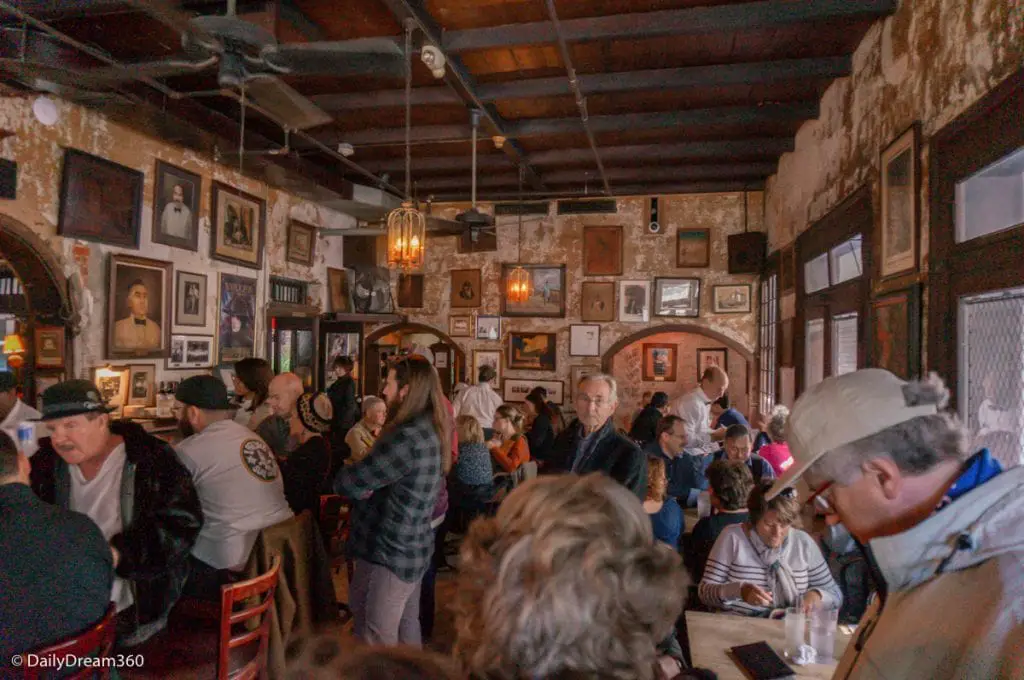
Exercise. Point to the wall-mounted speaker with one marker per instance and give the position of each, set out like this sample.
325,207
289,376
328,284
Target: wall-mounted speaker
747,252
653,215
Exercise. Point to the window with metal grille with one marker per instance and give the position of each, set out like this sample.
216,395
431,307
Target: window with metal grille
769,342
287,290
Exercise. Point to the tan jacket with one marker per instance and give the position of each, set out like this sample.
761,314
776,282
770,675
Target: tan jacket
360,440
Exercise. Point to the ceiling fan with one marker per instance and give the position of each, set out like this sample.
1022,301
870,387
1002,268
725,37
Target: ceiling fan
473,220
373,221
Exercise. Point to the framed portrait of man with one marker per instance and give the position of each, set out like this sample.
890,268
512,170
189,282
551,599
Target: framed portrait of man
189,299
238,227
237,324
176,207
138,307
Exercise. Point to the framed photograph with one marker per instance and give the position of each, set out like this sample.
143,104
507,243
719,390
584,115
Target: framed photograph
99,200
677,297
706,358
466,288
226,375
238,227
787,269
441,359
339,293
532,351
142,385
138,307
597,302
176,207
460,326
190,297
693,248
49,347
43,383
301,247
900,183
660,362
634,301
237,323
487,357
731,299
578,373
584,340
602,251
410,290
112,382
547,296
191,351
895,328
488,327
515,390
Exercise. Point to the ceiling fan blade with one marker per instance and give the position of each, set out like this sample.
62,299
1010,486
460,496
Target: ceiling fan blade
109,76
358,231
365,56
284,103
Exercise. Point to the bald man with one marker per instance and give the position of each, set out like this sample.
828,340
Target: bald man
695,409
280,430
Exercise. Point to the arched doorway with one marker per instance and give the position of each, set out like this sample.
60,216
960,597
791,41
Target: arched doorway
678,347
35,297
449,358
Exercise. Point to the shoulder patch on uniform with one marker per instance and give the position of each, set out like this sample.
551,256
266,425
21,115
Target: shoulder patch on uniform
259,459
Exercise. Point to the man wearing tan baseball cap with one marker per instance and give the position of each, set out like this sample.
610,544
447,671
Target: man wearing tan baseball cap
943,530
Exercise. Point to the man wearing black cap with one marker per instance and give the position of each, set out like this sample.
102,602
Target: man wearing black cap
14,412
237,478
645,427
133,487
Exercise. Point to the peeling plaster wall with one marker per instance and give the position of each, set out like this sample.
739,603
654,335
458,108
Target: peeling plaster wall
39,152
557,239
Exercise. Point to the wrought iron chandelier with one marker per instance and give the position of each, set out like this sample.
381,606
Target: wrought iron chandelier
407,226
519,285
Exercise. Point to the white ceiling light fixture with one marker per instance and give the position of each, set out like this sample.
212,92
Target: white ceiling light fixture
45,111
434,59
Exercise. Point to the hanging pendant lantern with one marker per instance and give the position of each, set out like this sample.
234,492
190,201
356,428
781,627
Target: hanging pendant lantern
520,283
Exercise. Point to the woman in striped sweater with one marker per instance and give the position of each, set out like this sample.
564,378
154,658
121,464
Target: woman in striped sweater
765,563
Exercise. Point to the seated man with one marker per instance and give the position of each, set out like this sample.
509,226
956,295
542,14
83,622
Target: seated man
131,485
55,566
14,413
724,415
280,430
730,483
237,479
738,447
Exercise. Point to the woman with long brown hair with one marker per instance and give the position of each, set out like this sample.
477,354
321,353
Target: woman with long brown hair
509,447
396,488
252,385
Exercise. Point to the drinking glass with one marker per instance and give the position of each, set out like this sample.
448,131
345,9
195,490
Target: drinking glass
824,621
704,504
796,625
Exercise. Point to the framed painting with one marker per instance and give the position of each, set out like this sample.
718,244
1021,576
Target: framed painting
176,207
787,269
706,358
578,373
602,251
488,327
585,340
236,327
677,297
547,294
190,351
895,328
460,326
49,346
693,248
731,299
138,307
190,295
900,188
339,293
634,301
99,200
238,227
532,351
301,248
410,290
515,390
466,288
142,385
660,362
597,302
112,382
487,357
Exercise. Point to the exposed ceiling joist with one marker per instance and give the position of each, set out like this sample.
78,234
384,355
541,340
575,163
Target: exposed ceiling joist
624,190
289,12
767,14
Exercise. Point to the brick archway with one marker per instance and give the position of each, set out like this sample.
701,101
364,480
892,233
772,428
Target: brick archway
608,356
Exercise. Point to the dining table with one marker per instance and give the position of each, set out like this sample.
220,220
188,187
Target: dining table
712,635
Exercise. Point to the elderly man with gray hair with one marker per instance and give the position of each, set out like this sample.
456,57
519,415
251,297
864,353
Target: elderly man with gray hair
943,529
592,444
363,434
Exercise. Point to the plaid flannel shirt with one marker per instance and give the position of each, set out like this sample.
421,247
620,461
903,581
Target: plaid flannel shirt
395,489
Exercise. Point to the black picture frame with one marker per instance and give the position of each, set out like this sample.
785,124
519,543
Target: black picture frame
100,200
164,215
908,366
183,301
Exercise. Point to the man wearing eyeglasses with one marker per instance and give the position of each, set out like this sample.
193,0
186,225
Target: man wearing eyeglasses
942,529
592,444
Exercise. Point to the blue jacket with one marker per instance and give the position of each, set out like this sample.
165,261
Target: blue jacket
685,473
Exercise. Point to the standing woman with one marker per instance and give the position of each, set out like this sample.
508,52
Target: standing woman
509,447
307,468
541,435
396,487
252,384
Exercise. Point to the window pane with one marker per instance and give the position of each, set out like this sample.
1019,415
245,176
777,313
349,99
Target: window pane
992,199
768,355
284,357
816,274
846,260
844,344
814,344
991,360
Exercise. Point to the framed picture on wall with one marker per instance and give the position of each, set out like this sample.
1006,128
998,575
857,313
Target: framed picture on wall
706,358
487,357
660,362
602,251
176,207
676,297
466,288
238,226
138,307
515,390
190,297
141,385
585,340
460,326
339,292
693,248
547,291
634,301
597,302
900,188
301,247
112,382
731,299
237,324
488,327
43,383
49,346
191,351
895,331
99,200
410,290
787,269
532,351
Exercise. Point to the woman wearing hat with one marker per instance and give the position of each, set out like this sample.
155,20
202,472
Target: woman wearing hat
306,469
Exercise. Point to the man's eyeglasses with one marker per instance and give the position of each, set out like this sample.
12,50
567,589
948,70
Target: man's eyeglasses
584,399
823,494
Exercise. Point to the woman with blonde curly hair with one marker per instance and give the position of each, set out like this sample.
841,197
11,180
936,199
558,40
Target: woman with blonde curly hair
566,580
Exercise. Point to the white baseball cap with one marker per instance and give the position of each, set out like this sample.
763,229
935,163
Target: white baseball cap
842,410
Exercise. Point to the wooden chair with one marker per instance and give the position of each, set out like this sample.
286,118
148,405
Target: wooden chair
97,642
254,619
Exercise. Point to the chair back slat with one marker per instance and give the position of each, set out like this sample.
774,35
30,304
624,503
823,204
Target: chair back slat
97,641
263,587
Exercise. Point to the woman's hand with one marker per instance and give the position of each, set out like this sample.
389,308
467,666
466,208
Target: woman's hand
812,599
756,596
